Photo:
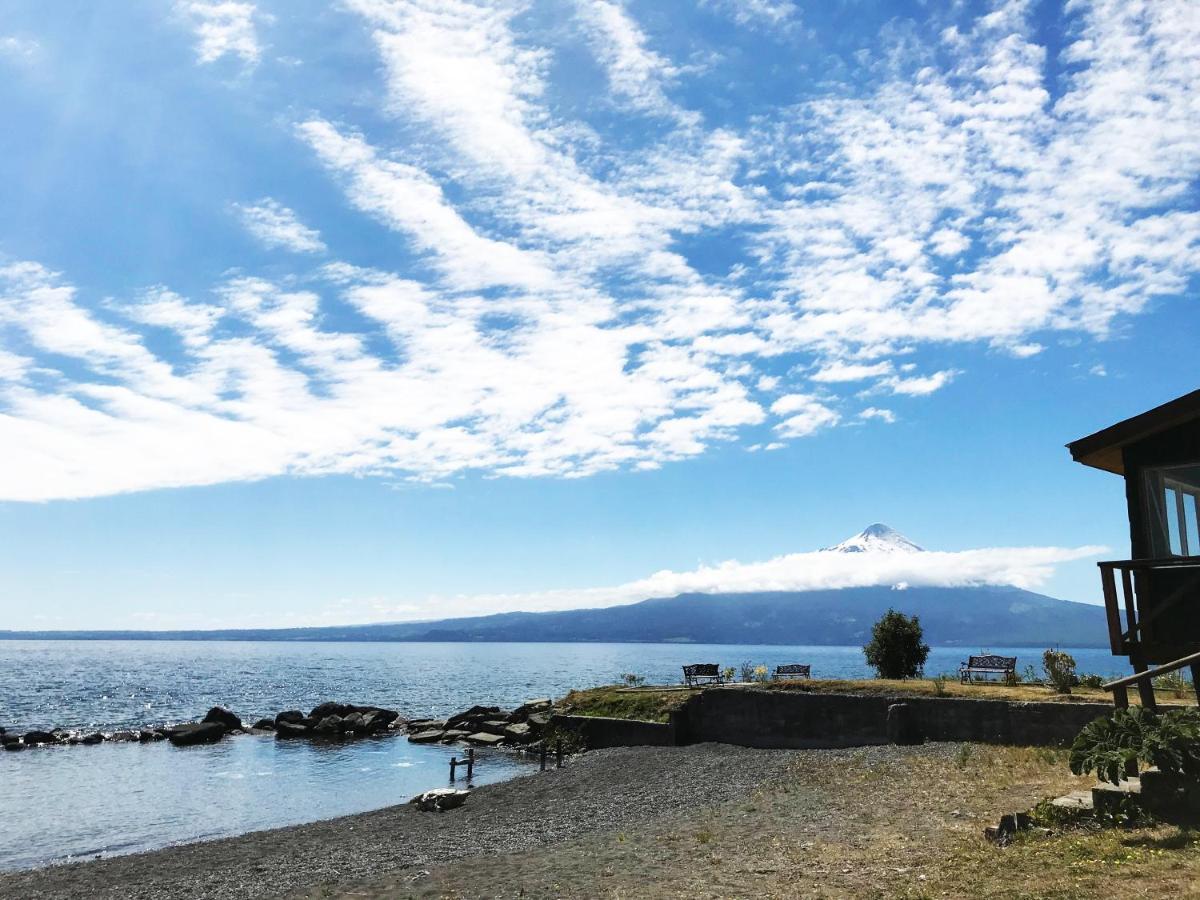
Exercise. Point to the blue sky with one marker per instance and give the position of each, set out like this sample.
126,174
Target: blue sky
322,313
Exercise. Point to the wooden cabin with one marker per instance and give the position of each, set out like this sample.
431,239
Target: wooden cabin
1153,599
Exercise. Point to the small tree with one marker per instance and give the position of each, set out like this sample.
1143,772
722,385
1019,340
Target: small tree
1060,670
897,648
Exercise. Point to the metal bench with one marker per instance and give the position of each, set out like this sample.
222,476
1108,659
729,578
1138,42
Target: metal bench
793,671
981,668
702,673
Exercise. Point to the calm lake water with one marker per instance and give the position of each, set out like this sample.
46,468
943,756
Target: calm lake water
65,802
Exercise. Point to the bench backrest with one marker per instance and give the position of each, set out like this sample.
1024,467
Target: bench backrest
992,662
701,669
793,669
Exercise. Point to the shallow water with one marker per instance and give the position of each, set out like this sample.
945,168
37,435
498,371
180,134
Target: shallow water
65,802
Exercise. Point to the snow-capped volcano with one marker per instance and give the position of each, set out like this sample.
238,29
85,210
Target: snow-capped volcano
876,538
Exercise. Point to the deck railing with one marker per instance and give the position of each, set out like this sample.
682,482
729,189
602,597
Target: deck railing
1126,624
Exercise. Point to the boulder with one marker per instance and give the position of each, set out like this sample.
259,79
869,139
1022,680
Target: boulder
223,717
386,716
450,735
330,708
475,712
486,738
33,738
427,725
426,737
124,737
440,799
195,733
90,740
149,736
529,707
9,738
264,725
495,726
14,745
330,725
518,732
538,721
354,723
291,730
294,716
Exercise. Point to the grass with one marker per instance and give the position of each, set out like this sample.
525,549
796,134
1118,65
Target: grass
654,703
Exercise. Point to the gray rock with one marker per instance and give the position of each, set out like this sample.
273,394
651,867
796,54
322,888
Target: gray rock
33,738
14,745
291,730
223,717
450,735
354,723
124,737
330,709
194,733
486,738
426,737
518,732
89,740
440,799
538,721
293,716
529,707
264,725
148,736
475,712
330,725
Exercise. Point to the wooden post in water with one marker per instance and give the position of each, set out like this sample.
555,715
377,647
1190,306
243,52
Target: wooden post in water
453,765
543,755
558,753
470,763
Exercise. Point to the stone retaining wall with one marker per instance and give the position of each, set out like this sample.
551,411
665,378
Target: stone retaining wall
763,718
598,732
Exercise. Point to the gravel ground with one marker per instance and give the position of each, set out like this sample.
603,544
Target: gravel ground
601,791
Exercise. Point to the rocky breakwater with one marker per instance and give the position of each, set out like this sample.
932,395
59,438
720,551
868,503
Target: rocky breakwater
336,721
486,726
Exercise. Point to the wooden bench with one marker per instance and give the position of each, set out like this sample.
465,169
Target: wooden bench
702,673
985,666
793,671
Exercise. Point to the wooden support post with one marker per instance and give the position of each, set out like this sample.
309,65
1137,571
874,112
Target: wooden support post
453,765
1121,698
470,763
1145,687
543,754
1195,667
558,754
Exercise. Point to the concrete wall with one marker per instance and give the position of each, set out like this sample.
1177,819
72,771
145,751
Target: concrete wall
761,718
598,732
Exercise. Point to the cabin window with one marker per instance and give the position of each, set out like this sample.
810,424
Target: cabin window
1174,493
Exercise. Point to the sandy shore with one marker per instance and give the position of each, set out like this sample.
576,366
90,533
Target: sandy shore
603,790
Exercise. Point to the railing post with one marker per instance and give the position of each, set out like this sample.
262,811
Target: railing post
1121,697
1111,608
1195,667
470,763
1145,686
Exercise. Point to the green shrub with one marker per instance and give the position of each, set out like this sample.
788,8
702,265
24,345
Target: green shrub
728,672
747,670
1170,741
897,648
1092,681
1174,682
629,679
939,685
1060,670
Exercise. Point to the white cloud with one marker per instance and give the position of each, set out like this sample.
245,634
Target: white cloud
872,412
18,49
275,225
1023,567
222,27
637,75
772,13
538,312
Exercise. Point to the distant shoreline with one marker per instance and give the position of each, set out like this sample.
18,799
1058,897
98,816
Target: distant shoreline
264,637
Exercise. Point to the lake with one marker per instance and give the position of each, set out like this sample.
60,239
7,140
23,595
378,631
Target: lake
70,802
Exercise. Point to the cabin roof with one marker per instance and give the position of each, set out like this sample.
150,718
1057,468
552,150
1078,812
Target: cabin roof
1102,450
